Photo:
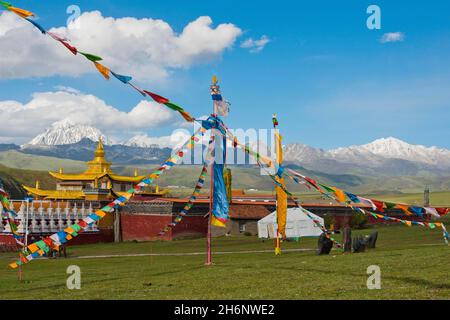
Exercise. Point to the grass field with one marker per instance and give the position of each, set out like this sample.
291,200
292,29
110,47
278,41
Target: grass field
413,261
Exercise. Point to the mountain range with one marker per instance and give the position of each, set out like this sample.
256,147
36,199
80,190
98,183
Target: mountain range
386,157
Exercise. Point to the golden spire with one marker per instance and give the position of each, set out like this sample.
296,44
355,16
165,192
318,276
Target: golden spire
37,184
136,172
100,152
99,164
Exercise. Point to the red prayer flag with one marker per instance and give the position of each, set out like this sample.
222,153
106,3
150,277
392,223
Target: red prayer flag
156,97
68,46
312,182
442,211
379,205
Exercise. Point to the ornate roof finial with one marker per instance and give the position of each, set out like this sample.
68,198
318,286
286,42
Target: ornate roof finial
100,151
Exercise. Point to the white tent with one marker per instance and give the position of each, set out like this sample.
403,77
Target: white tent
297,225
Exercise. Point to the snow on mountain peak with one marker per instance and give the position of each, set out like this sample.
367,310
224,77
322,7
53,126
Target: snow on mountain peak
68,132
141,140
372,153
144,141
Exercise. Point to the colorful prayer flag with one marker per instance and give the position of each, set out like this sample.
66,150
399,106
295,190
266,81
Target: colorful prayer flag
91,57
20,12
34,23
102,69
124,79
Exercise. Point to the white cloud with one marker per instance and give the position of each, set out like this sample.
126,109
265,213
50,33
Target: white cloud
255,46
392,37
144,48
24,121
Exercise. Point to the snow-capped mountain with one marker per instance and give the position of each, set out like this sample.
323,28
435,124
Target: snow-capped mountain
144,141
385,154
66,132
141,140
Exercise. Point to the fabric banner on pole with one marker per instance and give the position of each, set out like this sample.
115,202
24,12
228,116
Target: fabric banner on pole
220,198
281,194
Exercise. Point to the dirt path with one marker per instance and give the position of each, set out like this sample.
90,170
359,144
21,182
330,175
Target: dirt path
182,254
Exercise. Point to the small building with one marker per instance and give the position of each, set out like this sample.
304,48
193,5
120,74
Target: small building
297,225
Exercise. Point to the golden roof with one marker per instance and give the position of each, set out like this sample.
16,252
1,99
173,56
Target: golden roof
97,168
56,194
93,176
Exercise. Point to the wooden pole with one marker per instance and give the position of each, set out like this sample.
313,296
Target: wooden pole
208,236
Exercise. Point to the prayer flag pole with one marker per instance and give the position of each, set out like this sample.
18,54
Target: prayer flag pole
211,188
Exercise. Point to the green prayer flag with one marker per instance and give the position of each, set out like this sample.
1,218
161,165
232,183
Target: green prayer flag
5,4
329,189
390,205
173,106
91,57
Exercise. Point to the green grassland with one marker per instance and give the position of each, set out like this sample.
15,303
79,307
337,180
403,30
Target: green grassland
19,160
413,262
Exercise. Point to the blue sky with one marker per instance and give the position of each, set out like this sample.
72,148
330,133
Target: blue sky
329,78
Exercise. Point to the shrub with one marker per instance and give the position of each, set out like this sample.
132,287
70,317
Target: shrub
359,221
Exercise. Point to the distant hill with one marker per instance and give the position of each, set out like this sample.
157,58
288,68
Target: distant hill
84,151
14,178
20,160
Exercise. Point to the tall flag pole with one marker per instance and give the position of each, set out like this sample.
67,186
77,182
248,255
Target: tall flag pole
281,195
214,89
219,205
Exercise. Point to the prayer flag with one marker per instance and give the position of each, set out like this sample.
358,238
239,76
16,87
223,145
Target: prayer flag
404,208
340,195
34,23
90,57
280,187
6,5
378,204
124,79
20,12
156,97
102,69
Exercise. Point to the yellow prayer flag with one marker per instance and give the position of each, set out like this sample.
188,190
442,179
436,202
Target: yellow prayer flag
102,69
100,213
69,230
13,265
21,12
217,223
340,195
404,207
281,194
33,248
281,209
408,223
